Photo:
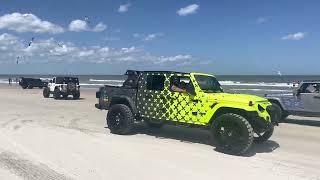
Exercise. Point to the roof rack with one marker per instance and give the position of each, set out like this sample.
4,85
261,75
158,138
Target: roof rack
135,72
310,81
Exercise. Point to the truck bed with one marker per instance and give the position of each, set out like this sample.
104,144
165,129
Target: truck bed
105,93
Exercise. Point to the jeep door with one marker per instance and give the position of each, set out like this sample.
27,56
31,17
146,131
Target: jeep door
183,107
310,98
150,96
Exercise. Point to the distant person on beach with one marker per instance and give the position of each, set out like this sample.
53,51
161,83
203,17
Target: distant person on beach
10,81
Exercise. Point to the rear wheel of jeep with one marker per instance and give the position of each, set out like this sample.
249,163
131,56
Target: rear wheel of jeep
46,92
120,119
232,134
76,95
56,94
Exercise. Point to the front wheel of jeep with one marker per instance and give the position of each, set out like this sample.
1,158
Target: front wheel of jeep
277,114
263,137
56,94
232,134
46,92
120,119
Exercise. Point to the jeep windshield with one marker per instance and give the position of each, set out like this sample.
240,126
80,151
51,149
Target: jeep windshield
208,84
66,80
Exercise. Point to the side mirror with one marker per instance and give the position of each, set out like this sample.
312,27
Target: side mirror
190,90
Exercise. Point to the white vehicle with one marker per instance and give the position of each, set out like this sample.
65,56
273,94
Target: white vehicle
62,87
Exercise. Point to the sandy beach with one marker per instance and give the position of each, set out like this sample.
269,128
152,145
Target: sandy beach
68,139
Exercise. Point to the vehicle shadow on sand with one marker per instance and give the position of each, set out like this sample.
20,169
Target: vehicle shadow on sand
307,122
68,99
191,135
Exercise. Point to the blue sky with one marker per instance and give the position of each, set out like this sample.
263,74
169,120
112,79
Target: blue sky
108,37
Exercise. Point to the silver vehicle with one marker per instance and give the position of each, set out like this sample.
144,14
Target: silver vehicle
63,87
304,101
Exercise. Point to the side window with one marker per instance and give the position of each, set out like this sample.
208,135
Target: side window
310,88
179,83
155,82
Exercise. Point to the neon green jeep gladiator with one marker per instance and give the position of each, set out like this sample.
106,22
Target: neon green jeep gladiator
189,99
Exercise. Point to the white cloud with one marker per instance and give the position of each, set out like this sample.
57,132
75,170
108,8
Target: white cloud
49,50
123,8
78,25
28,23
296,36
100,27
191,9
148,37
137,35
262,19
178,58
81,25
151,37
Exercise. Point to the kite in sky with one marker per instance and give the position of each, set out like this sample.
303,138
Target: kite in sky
30,43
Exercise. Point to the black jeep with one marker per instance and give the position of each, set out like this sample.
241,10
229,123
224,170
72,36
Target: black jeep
31,83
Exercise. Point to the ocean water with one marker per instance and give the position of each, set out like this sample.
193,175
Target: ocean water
249,84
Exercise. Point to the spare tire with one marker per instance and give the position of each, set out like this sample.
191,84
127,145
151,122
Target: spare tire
71,86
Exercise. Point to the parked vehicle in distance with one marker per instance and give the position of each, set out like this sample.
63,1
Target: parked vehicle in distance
191,100
62,87
303,101
31,83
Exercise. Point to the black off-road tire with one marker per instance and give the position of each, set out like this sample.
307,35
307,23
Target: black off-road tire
284,116
24,87
264,136
56,94
46,92
278,113
76,95
120,119
153,124
232,134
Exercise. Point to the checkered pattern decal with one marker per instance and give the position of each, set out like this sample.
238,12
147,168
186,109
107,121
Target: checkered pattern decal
168,105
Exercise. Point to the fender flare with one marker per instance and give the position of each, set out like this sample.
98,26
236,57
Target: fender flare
124,100
276,100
